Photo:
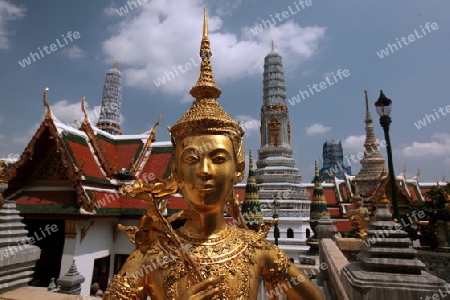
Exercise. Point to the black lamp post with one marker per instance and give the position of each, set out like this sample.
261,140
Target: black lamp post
384,107
275,208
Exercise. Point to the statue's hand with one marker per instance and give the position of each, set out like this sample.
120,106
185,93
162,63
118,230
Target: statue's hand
206,289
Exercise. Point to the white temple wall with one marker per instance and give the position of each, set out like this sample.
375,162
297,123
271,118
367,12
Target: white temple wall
98,243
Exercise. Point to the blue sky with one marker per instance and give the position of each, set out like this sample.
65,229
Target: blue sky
315,41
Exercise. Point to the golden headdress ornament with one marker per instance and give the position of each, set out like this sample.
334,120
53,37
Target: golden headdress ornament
206,116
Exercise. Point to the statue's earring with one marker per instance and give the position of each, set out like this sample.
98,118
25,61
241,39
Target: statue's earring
238,176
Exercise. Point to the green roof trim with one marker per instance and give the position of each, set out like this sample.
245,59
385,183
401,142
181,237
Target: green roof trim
96,180
160,150
45,209
120,142
68,136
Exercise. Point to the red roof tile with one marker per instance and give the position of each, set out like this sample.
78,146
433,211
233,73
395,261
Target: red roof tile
413,193
334,211
47,198
330,196
121,155
177,203
345,193
343,226
240,193
84,156
133,203
112,200
156,166
126,155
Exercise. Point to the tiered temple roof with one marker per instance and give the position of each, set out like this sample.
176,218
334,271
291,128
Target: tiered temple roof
65,170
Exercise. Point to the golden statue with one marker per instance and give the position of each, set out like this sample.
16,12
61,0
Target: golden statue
206,258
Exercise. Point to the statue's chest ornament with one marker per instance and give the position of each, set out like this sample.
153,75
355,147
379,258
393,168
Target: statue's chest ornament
230,255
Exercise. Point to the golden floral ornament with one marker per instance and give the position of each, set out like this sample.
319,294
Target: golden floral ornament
153,225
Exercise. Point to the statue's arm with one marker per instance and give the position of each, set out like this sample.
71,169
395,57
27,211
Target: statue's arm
282,276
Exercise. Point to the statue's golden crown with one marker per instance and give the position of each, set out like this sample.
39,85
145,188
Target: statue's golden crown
206,116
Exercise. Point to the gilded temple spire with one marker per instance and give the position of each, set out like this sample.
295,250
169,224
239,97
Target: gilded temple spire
373,162
251,207
206,85
318,201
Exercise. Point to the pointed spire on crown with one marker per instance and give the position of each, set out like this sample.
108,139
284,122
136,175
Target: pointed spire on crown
206,116
206,85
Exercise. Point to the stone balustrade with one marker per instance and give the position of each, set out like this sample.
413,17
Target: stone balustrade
332,263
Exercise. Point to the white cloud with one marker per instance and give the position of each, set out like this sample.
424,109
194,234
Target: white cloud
8,12
74,52
439,147
317,128
249,124
354,144
110,10
23,140
148,45
67,112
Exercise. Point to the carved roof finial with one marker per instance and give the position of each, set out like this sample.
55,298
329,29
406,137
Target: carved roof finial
48,114
86,119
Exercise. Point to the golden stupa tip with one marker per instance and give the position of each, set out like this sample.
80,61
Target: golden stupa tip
383,198
116,64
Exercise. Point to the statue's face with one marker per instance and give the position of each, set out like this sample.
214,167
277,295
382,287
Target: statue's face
206,166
